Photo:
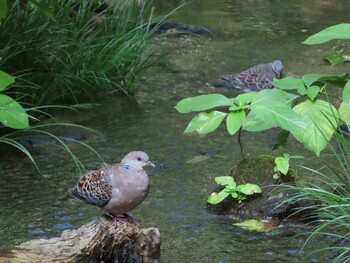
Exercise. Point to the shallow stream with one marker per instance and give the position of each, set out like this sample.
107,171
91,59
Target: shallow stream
249,32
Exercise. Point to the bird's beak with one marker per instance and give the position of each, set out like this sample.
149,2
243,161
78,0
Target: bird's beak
150,164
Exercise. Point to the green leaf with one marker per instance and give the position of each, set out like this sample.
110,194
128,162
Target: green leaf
230,188
224,180
321,119
203,102
276,176
338,80
312,92
246,97
346,93
334,58
234,194
248,189
3,9
282,164
273,107
205,123
344,112
288,83
302,91
296,157
281,140
5,80
265,96
216,198
12,114
339,31
234,121
253,123
234,108
251,224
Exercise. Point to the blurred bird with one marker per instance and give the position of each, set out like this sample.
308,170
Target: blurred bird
116,189
255,78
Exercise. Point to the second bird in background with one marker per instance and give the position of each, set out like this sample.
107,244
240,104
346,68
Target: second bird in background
256,78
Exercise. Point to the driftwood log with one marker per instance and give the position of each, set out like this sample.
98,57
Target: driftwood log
100,241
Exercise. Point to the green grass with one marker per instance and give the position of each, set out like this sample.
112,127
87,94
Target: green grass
58,58
72,59
46,132
330,192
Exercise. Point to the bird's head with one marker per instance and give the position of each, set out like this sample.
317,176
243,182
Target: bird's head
278,68
137,159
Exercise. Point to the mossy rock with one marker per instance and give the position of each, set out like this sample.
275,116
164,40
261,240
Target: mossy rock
270,203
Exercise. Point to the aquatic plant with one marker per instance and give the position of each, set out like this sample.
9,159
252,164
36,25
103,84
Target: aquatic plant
310,119
295,105
61,52
239,192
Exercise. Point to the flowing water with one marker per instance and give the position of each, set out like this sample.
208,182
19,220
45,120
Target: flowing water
249,33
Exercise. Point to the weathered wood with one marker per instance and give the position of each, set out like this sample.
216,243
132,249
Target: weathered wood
98,241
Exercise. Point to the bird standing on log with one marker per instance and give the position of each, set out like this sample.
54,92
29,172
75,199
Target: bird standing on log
116,189
255,78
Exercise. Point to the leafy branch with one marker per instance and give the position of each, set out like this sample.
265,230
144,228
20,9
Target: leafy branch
294,105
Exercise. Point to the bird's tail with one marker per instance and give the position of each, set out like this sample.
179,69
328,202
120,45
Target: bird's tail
67,197
217,84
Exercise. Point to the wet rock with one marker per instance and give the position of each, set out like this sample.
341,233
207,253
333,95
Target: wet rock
179,28
271,203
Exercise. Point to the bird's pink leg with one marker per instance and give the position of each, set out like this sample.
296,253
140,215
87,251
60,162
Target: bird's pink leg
125,219
131,220
118,219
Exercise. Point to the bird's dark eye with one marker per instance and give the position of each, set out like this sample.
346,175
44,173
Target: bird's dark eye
138,158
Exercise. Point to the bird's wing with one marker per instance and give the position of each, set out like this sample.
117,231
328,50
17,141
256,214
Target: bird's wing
259,81
94,187
253,79
237,80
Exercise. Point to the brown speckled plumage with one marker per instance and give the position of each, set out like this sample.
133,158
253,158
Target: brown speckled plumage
256,78
116,189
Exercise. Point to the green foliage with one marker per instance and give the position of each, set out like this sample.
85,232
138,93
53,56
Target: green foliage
203,102
3,9
282,164
12,113
328,199
61,59
234,121
321,119
252,224
303,114
205,123
239,192
14,116
334,57
340,31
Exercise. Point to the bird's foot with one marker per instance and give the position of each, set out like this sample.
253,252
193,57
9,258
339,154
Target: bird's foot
123,219
131,220
118,219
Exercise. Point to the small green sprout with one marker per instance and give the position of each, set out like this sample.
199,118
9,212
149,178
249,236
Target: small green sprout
282,164
239,192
